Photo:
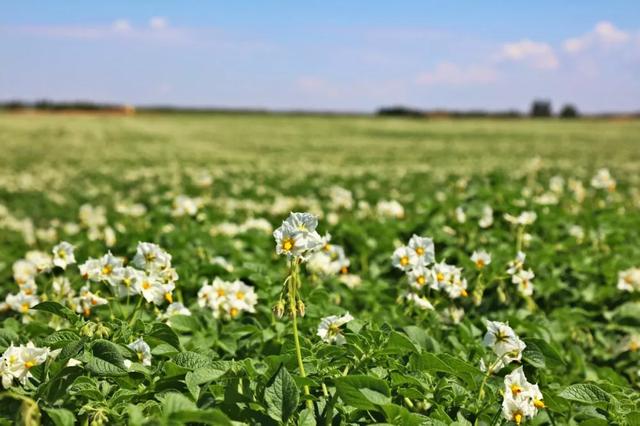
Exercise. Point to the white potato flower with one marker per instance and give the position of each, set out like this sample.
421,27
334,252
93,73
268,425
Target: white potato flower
521,398
185,206
390,209
517,264
151,257
142,350
17,361
63,255
603,180
522,279
419,276
486,220
481,258
297,236
420,301
24,271
424,248
43,261
504,342
629,280
110,269
329,328
405,258
86,301
21,302
523,219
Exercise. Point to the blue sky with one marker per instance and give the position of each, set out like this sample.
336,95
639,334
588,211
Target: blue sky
353,55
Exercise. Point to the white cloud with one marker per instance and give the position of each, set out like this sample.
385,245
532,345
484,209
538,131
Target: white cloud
535,54
158,23
450,74
121,26
603,34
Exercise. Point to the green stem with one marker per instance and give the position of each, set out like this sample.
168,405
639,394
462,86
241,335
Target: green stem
134,314
293,284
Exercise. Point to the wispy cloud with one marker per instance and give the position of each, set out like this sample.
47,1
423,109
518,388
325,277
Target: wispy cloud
450,74
604,34
158,29
535,54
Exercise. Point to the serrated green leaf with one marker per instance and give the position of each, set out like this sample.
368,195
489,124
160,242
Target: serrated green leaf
281,396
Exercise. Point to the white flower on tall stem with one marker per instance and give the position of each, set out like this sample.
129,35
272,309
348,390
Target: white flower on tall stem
110,269
329,328
150,256
523,279
297,236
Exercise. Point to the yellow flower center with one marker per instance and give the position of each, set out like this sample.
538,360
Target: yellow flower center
344,270
464,293
220,292
517,417
404,260
168,297
480,263
146,285
62,254
25,307
240,295
107,269
29,364
287,244
440,276
420,280
539,404
634,345
234,312
419,251
515,389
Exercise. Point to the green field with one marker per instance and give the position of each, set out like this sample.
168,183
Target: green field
332,143
226,323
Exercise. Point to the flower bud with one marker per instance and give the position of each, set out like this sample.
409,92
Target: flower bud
301,308
278,309
88,329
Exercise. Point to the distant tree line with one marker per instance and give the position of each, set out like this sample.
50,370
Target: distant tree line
539,109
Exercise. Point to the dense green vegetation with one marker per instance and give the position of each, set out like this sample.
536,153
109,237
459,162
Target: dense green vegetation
141,337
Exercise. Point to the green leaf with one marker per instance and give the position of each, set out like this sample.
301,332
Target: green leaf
60,416
164,333
60,339
108,351
281,395
306,418
56,308
587,393
533,355
448,364
363,392
191,360
103,368
183,323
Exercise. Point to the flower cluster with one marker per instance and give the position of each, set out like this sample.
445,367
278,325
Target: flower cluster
297,236
227,299
520,276
17,361
153,277
522,400
330,260
417,259
504,343
603,180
